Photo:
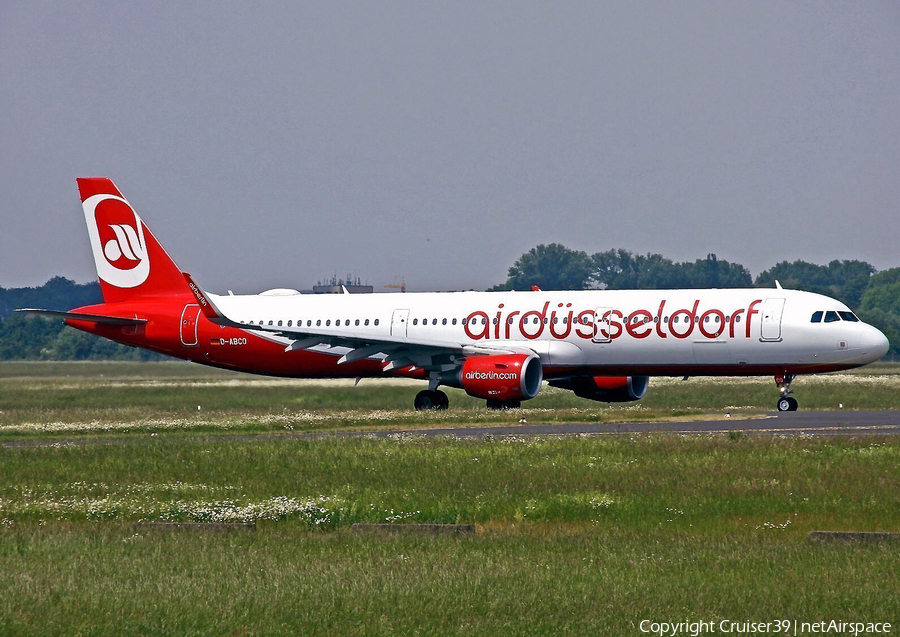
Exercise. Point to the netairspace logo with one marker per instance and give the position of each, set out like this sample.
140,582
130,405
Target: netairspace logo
782,626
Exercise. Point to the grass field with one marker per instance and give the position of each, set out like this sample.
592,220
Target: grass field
575,535
62,399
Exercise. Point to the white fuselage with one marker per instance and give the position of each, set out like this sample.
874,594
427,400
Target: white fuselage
734,331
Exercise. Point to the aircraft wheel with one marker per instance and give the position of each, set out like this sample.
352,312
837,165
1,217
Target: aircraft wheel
787,403
424,400
429,399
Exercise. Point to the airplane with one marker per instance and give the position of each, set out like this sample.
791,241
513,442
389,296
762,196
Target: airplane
603,345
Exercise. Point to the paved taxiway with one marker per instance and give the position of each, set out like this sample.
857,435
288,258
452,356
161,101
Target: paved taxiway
820,423
830,423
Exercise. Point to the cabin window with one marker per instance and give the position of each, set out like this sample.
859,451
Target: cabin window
737,319
270,322
817,317
465,322
495,320
831,316
376,322
849,316
484,321
356,322
454,321
444,322
367,321
279,323
415,321
727,319
291,323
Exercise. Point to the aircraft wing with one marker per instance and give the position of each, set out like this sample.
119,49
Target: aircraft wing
397,352
94,318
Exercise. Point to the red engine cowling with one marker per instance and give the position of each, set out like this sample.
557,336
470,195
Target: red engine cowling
503,377
609,389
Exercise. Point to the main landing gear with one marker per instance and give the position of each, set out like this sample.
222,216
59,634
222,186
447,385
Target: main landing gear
431,399
786,402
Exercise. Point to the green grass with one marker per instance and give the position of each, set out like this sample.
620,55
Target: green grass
546,581
575,535
709,482
66,399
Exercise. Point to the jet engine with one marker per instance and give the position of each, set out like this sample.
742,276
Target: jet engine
503,378
609,389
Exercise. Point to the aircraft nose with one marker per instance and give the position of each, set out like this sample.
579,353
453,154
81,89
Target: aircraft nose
875,344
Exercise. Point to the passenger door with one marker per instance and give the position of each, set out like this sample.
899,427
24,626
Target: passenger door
399,323
189,319
770,327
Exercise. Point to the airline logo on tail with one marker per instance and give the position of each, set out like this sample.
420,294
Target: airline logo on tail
117,240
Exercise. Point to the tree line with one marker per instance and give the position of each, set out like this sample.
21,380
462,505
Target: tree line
39,338
874,295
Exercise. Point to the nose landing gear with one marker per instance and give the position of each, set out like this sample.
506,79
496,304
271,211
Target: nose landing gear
786,402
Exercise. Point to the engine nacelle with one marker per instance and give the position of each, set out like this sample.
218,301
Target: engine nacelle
502,377
609,389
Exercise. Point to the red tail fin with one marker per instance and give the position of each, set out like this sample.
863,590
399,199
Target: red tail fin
130,261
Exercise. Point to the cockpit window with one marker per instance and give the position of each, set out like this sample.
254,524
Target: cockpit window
817,317
831,316
849,316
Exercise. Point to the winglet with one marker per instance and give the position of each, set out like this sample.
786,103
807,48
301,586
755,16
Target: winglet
209,309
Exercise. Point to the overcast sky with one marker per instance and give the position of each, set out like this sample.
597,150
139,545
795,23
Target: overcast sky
275,144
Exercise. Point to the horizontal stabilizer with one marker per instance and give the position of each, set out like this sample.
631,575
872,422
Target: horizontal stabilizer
94,318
